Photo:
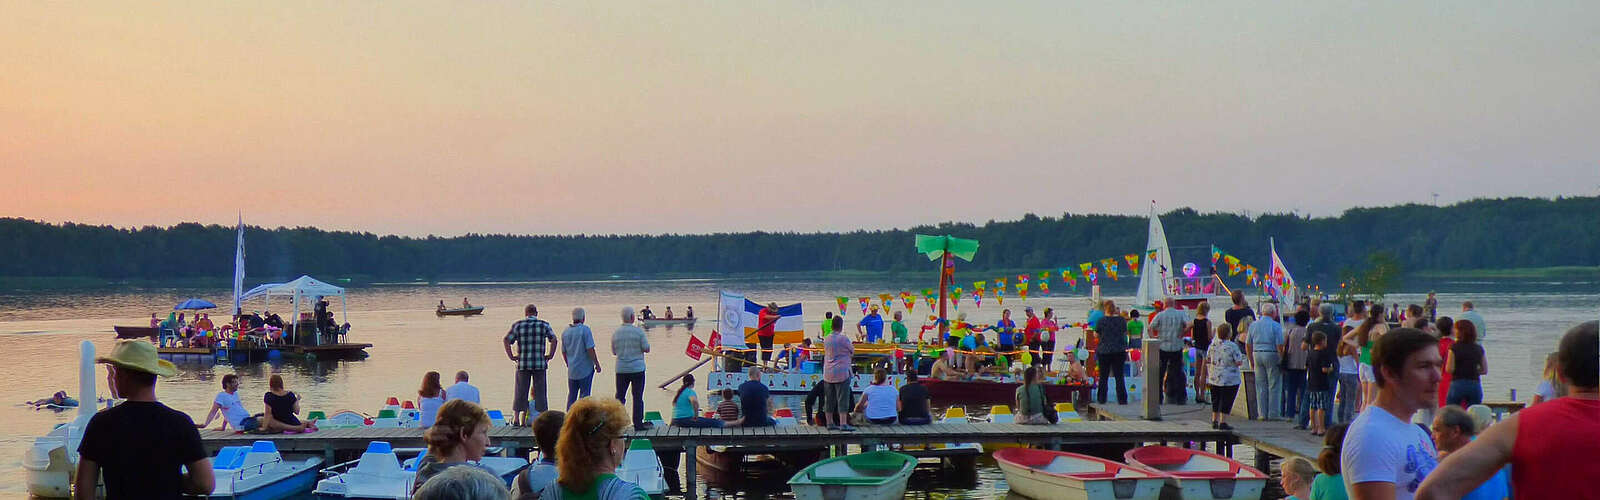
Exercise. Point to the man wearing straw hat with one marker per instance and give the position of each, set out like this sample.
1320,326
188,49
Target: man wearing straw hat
140,444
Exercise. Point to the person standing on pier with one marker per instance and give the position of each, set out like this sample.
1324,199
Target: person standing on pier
141,446
1266,342
533,355
1239,311
870,328
1295,399
1551,447
582,364
1170,325
1223,375
629,344
1112,352
1386,457
1431,306
1200,331
837,355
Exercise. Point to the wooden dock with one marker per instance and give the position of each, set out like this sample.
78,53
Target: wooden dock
1272,439
519,440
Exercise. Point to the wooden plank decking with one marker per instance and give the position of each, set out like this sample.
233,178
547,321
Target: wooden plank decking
1277,438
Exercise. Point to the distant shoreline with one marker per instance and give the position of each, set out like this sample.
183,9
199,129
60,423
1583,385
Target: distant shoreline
31,283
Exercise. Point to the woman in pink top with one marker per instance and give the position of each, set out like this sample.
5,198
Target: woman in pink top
836,360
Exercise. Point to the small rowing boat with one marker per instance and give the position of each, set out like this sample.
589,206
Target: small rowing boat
1200,475
1045,474
664,322
136,332
460,311
876,475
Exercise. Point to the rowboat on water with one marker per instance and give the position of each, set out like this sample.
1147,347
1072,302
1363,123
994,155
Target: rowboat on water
259,472
876,475
460,311
664,322
1045,474
1200,475
136,332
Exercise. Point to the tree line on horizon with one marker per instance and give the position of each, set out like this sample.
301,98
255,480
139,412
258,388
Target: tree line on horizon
1477,234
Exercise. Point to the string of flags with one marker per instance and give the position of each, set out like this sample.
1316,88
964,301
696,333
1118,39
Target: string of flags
1022,285
1235,266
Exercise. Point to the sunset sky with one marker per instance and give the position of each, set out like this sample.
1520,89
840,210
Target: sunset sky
603,117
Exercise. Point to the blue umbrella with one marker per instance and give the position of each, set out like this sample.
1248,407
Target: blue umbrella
194,304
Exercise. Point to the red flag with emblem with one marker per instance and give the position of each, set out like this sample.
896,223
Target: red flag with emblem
695,347
716,337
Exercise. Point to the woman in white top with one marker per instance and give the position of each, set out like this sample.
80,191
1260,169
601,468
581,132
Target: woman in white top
429,398
1224,360
880,402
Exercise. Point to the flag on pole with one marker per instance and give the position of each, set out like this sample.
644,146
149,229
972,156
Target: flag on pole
1279,275
716,338
238,270
788,329
730,317
1216,253
696,347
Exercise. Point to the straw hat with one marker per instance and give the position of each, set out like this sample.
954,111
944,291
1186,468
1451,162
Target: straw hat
138,355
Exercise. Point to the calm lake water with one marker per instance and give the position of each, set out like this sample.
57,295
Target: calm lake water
40,332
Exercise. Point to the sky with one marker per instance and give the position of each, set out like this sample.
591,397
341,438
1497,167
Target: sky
691,117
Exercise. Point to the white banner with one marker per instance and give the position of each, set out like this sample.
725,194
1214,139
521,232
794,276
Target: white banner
730,319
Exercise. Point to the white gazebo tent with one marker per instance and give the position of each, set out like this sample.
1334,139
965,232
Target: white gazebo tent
304,286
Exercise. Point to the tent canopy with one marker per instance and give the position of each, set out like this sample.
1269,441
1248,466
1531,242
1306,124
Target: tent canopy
304,286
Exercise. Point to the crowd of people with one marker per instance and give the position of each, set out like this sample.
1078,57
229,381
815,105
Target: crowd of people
1380,376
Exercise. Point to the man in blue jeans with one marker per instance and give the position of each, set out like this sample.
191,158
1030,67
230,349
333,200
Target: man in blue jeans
578,351
1266,343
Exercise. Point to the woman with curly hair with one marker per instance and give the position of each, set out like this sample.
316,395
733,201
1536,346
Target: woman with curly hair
590,449
459,436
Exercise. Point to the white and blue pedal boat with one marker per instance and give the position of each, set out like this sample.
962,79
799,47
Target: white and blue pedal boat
259,472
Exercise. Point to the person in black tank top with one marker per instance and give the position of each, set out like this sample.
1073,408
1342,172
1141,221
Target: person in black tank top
1201,335
282,409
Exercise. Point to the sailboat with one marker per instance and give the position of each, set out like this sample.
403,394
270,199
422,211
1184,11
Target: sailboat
50,464
1157,267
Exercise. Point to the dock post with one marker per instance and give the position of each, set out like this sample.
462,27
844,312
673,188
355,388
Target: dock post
690,453
1151,351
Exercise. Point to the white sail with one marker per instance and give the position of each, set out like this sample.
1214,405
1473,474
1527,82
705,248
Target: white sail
1153,273
1278,280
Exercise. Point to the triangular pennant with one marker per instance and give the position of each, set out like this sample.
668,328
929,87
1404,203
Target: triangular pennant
1133,263
1216,253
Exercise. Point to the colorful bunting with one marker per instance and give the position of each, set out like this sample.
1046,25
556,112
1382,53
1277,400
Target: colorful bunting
887,301
1000,291
955,298
1110,265
1066,276
842,301
1022,290
1044,282
1233,265
864,302
1216,253
928,296
1133,262
905,298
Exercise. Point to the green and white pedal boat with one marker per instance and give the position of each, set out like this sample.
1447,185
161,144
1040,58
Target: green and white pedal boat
877,475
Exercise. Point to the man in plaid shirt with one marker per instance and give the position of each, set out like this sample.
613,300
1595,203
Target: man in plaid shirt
532,357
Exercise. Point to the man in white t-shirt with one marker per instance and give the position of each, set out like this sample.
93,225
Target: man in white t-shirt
462,389
1385,456
232,409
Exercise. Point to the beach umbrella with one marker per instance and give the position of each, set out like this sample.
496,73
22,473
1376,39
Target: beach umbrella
194,304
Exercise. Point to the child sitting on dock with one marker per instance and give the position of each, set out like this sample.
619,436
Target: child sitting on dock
728,409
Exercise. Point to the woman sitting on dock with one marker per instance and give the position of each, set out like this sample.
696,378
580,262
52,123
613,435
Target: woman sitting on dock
429,398
686,407
282,407
458,437
1030,399
880,402
590,450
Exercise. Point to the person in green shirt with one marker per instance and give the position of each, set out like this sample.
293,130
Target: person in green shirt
1135,329
898,328
1329,484
827,325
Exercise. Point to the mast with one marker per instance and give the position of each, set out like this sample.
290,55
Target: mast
238,269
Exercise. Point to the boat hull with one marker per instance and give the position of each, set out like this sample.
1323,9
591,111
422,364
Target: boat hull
299,482
664,322
1042,475
465,311
136,332
837,479
1200,475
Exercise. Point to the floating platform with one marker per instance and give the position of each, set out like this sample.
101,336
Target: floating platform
253,354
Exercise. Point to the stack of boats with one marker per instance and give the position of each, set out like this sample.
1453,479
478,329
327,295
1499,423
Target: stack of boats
1194,474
